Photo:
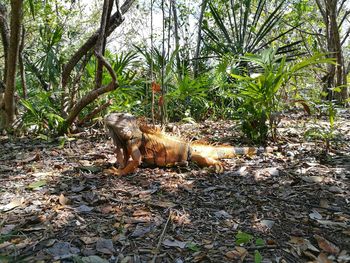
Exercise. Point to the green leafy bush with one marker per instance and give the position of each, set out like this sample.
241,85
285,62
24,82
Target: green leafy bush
41,114
259,93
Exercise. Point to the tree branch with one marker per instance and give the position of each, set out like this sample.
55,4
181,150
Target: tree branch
115,21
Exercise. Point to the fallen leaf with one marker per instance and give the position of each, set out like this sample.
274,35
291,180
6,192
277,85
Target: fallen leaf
35,157
62,250
12,205
174,243
105,246
302,244
267,223
94,259
88,240
222,214
63,200
6,229
322,258
315,215
330,223
163,204
84,209
326,245
312,179
141,212
141,230
239,253
36,185
335,189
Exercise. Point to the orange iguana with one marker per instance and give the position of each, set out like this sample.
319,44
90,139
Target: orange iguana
144,144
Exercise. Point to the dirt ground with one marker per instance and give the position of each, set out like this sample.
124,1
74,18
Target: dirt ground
57,203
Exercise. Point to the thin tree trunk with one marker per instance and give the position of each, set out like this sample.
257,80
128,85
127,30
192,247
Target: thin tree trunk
92,95
199,38
12,56
177,38
100,47
115,21
21,66
5,35
335,76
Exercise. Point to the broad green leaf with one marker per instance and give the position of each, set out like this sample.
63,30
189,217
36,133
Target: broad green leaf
37,184
243,238
257,257
259,242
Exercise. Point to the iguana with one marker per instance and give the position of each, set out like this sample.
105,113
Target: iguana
145,144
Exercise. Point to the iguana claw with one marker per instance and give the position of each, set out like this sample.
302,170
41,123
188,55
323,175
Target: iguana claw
115,171
219,168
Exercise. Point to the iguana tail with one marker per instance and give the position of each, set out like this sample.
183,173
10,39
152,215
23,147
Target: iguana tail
225,152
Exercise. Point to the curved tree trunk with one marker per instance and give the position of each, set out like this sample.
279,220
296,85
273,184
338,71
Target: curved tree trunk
114,21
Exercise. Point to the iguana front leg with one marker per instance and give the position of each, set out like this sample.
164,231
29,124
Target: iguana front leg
131,166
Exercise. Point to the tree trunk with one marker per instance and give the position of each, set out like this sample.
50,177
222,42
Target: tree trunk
95,93
12,57
199,38
177,38
114,21
21,66
335,76
5,35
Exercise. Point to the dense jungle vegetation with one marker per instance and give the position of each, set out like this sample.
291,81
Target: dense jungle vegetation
62,65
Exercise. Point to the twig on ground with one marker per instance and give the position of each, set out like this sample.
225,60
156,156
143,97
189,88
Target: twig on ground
156,251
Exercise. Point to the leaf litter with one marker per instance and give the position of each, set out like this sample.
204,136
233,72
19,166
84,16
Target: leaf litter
57,205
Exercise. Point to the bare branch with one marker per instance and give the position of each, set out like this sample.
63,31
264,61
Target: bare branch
114,22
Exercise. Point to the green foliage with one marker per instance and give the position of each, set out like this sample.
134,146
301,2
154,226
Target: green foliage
187,97
257,257
41,115
242,27
131,85
258,93
325,133
243,238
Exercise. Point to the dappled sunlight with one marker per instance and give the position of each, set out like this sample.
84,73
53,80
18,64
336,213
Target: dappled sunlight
60,199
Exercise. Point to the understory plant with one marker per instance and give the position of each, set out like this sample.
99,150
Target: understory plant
41,114
188,98
326,132
258,90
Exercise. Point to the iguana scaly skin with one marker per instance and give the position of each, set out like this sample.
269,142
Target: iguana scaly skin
144,144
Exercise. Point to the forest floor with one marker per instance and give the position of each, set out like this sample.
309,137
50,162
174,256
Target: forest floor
58,205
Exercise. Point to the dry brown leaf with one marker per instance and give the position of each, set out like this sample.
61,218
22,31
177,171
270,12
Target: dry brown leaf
63,200
322,258
326,245
239,253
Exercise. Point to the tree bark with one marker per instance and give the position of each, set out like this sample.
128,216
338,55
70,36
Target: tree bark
335,76
12,57
21,66
177,38
95,93
199,38
5,35
115,20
